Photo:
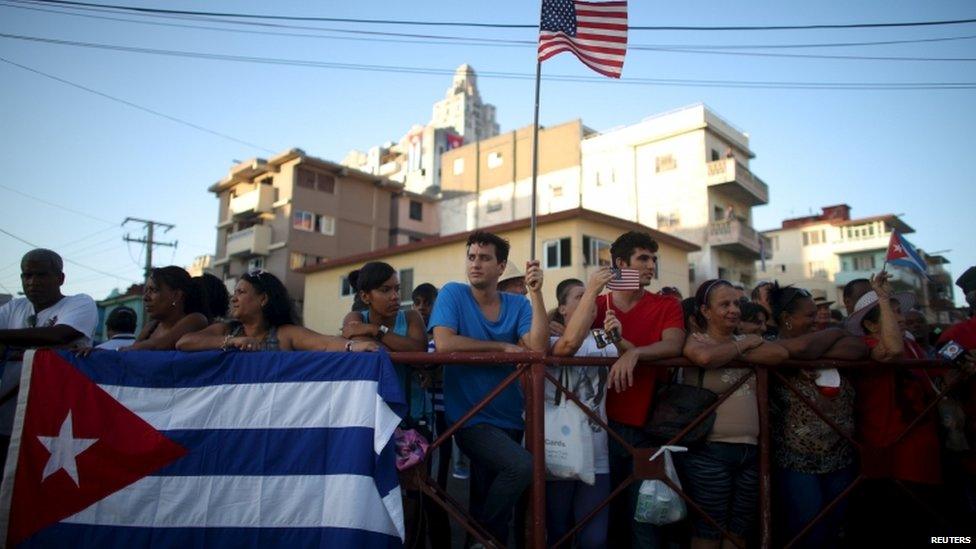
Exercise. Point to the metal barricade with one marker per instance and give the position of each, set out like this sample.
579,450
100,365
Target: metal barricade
531,367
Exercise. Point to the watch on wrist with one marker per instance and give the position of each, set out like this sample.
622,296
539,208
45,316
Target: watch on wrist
381,331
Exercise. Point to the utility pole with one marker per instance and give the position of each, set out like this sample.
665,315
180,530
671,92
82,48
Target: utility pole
150,239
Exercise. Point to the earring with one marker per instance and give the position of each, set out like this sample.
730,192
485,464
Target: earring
174,304
788,325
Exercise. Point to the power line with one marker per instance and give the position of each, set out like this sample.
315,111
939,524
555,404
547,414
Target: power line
873,86
139,9
73,262
438,40
136,106
52,204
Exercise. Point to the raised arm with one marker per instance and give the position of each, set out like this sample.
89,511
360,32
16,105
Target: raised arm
578,327
538,337
211,337
190,323
891,342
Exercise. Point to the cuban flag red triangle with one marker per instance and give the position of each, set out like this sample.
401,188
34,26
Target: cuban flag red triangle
75,446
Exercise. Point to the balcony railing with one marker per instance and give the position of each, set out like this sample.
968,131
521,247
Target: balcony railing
249,242
737,237
258,201
733,178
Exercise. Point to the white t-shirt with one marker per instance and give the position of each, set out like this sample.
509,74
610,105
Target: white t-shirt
77,311
590,385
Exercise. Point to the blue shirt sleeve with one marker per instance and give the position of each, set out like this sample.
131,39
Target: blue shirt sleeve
447,308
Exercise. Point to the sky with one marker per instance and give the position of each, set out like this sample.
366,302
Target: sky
80,152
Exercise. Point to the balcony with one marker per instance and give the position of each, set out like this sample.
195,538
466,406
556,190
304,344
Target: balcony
737,237
249,242
729,177
255,202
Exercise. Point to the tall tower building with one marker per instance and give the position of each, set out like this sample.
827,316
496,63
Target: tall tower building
463,110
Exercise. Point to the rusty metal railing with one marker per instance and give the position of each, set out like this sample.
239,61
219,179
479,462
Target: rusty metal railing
531,368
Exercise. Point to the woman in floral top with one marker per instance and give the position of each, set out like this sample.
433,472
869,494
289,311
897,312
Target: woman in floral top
814,463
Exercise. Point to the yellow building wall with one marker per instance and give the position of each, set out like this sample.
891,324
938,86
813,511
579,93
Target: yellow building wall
325,308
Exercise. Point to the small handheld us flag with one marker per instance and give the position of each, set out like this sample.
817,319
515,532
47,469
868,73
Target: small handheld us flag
624,280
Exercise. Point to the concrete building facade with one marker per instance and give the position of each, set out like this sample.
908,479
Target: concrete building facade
294,210
442,260
684,172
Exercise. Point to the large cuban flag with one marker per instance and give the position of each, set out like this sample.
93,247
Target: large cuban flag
167,449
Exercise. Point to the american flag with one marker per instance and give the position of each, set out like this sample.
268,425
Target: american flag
628,279
595,32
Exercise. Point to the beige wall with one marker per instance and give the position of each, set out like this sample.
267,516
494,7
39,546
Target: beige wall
325,308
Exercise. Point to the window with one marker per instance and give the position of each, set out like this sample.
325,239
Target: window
816,269
811,238
557,191
297,260
494,206
494,160
303,221
863,262
558,253
313,180
326,183
715,155
723,273
605,176
668,220
416,210
306,179
458,166
406,286
596,251
664,163
775,242
718,213
345,289
255,263
325,224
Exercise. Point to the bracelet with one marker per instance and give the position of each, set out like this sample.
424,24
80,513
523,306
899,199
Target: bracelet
227,338
349,346
737,348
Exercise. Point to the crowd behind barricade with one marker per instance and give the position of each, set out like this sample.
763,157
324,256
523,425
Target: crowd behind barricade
823,421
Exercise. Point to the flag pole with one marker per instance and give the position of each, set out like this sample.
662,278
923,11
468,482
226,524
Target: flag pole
535,162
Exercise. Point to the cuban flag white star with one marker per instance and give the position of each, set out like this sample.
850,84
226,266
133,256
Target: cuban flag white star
64,448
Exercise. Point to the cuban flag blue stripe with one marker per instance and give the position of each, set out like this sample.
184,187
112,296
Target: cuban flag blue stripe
178,369
120,537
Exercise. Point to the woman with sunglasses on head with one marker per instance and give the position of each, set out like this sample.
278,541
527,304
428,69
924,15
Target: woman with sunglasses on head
722,474
262,319
173,302
814,463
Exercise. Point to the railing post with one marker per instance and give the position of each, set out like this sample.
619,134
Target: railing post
765,484
535,441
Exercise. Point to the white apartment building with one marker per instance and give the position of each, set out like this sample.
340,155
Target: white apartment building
415,160
684,172
828,250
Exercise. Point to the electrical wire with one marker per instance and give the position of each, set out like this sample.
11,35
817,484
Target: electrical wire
140,9
67,260
52,204
139,107
873,86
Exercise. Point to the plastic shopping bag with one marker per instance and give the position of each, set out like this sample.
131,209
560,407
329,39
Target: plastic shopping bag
657,503
569,442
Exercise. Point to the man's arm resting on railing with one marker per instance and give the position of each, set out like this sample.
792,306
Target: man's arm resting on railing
622,372
849,347
447,340
52,336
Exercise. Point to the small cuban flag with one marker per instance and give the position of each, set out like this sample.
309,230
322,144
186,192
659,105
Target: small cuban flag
903,254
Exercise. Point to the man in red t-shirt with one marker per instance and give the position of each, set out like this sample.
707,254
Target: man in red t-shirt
653,328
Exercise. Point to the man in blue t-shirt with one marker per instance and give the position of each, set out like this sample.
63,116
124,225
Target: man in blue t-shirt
478,318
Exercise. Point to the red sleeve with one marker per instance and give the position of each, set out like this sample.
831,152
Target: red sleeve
870,341
601,311
673,316
949,334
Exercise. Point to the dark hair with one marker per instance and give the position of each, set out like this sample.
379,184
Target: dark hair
624,246
215,296
278,311
43,254
849,287
836,315
688,312
755,291
426,291
751,311
176,278
701,298
367,278
671,291
122,320
784,300
562,293
485,238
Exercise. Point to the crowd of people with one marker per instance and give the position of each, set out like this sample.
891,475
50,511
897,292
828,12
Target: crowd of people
840,437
